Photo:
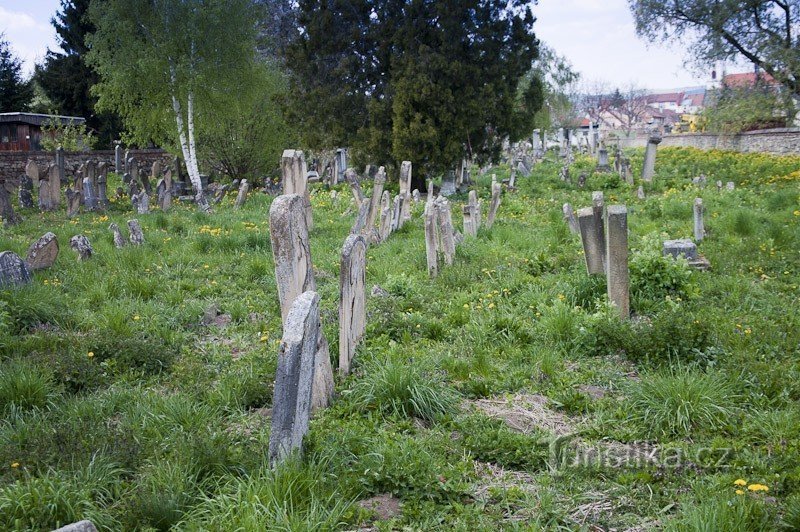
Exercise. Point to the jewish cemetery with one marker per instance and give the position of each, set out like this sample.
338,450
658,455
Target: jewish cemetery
399,266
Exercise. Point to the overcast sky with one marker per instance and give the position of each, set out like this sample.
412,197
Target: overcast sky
597,36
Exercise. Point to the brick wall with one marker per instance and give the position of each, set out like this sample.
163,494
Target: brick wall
775,141
12,163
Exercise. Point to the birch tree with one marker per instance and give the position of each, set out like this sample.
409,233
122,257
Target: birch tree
164,65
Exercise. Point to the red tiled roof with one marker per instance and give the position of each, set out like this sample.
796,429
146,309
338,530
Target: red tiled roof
747,79
669,97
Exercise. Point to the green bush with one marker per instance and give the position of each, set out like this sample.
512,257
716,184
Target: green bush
654,276
24,386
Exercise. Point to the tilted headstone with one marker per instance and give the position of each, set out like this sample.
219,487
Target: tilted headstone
385,227
220,194
431,251
80,526
294,275
375,199
241,197
448,184
682,247
73,202
397,210
25,194
43,253
617,257
405,190
164,192
119,240
446,230
497,189
81,246
649,167
295,180
569,217
360,223
351,176
352,299
699,228
593,240
136,234
13,270
294,377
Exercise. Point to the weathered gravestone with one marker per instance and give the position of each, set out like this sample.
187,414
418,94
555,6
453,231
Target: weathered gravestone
13,270
220,194
80,526
42,253
617,258
602,160
569,217
241,197
61,164
682,247
431,252
472,215
81,246
446,230
102,185
497,189
699,228
375,199
415,196
136,234
294,377
295,180
360,222
294,275
640,193
164,192
352,299
25,194
397,211
119,240
593,240
54,187
385,227
89,199
118,160
7,188
351,176
405,190
649,167
448,184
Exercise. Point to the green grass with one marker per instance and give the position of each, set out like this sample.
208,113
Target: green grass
119,406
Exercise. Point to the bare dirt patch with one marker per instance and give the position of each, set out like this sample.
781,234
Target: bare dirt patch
526,413
386,506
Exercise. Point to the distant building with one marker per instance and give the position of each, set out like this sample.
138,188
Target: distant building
23,131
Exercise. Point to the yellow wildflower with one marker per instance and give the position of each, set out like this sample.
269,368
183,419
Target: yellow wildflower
758,487
740,482
15,465
739,492
90,354
264,338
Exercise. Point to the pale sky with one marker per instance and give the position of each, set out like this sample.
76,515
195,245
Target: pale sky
597,36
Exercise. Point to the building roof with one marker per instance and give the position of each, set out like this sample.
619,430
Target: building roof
669,97
747,79
37,119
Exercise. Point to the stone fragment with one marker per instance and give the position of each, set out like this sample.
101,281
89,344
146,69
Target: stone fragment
352,299
497,189
136,234
617,257
81,246
43,253
294,377
241,197
569,217
119,240
13,270
682,247
699,228
80,526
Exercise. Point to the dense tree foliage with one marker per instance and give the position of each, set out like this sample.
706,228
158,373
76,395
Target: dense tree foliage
65,77
764,32
16,93
428,81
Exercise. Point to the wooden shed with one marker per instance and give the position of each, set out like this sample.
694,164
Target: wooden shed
23,131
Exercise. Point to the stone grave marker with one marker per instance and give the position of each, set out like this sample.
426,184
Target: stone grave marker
25,194
352,299
397,219
136,234
385,227
81,246
431,254
592,239
54,188
295,180
294,376
43,253
241,197
446,230
699,228
80,526
375,199
13,270
497,189
351,176
649,167
569,217
682,247
102,185
89,198
118,159
7,189
448,184
164,192
73,202
640,192
119,240
360,223
617,258
405,190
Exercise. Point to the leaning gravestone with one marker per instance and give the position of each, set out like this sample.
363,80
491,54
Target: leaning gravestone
361,218
294,275
119,240
13,270
352,179
81,246
385,227
241,197
137,236
649,167
446,229
294,377
25,193
352,299
497,188
375,200
569,217
592,239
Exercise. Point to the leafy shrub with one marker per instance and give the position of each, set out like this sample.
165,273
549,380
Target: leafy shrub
675,402
397,388
24,386
654,276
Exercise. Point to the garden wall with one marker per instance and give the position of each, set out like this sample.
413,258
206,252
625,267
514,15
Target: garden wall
784,141
12,163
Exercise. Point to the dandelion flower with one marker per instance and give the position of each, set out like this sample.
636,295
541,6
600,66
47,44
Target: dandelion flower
90,354
264,338
740,482
757,487
739,492
15,465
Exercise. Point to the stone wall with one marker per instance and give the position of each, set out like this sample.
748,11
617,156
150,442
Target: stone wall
12,163
775,141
